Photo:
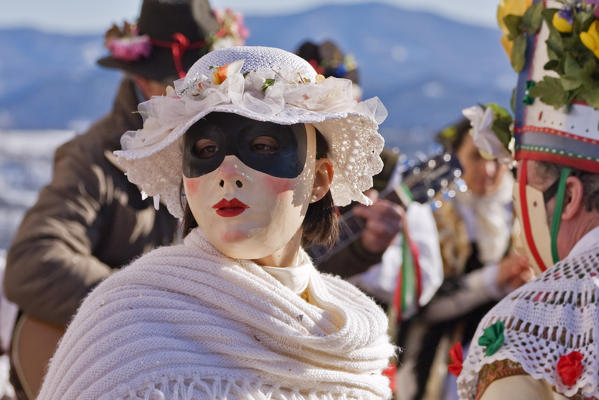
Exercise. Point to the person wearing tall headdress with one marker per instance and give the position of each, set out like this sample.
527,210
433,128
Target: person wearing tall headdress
542,341
474,219
90,220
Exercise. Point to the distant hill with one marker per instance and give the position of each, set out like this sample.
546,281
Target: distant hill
424,68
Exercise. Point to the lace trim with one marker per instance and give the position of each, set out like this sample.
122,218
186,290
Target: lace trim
350,128
503,369
544,320
494,371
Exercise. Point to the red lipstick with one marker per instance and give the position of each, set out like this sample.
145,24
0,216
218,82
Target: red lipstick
230,208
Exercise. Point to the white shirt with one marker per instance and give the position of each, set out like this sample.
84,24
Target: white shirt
380,280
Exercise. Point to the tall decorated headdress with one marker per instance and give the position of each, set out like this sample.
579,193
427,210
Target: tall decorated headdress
264,84
554,47
169,36
555,50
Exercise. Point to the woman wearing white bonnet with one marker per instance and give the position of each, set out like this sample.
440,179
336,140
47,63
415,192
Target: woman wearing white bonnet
251,137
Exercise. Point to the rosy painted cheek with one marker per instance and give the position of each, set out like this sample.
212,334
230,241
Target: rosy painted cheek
191,186
279,185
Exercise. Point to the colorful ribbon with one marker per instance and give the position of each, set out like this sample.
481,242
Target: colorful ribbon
179,46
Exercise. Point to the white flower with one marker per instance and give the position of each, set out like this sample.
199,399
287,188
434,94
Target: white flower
483,135
223,43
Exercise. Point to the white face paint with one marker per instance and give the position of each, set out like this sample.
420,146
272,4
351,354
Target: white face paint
248,214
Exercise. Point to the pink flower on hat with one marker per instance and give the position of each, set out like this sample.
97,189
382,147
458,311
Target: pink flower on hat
130,48
569,367
232,27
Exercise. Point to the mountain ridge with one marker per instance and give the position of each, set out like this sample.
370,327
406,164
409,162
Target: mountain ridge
425,68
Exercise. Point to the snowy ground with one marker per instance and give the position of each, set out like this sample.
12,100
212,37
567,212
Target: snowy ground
8,314
25,166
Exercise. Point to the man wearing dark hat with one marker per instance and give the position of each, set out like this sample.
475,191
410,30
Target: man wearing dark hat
90,220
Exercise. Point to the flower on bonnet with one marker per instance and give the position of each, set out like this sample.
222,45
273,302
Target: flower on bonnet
569,367
590,38
219,74
457,358
492,338
485,132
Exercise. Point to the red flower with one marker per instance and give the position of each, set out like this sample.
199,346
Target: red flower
457,355
318,68
569,367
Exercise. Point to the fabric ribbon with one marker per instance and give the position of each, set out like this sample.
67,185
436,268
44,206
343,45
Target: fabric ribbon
409,280
179,46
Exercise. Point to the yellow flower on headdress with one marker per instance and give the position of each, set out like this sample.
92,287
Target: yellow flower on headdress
590,38
561,22
505,8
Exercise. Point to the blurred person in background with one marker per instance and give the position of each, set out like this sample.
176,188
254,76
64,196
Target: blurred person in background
384,216
542,341
385,219
90,220
372,255
475,224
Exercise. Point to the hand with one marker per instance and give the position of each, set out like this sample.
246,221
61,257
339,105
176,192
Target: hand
514,271
383,222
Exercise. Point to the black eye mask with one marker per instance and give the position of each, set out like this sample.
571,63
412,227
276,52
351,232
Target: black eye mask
231,134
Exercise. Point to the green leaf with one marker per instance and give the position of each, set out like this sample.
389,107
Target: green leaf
551,65
570,83
498,111
555,45
501,123
548,15
492,338
589,72
513,99
591,96
518,58
584,19
572,77
501,128
572,95
550,91
512,23
533,18
268,82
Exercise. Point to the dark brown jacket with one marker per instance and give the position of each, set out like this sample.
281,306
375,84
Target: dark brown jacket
89,221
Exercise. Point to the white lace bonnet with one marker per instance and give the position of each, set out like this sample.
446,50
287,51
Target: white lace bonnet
264,84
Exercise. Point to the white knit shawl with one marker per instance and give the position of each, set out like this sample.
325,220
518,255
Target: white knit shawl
185,322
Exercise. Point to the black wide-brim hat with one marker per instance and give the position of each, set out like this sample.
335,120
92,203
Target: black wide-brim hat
328,56
160,20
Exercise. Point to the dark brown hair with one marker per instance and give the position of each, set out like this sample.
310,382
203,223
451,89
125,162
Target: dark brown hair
320,225
590,182
452,137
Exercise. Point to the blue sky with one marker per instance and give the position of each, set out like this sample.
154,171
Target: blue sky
78,16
